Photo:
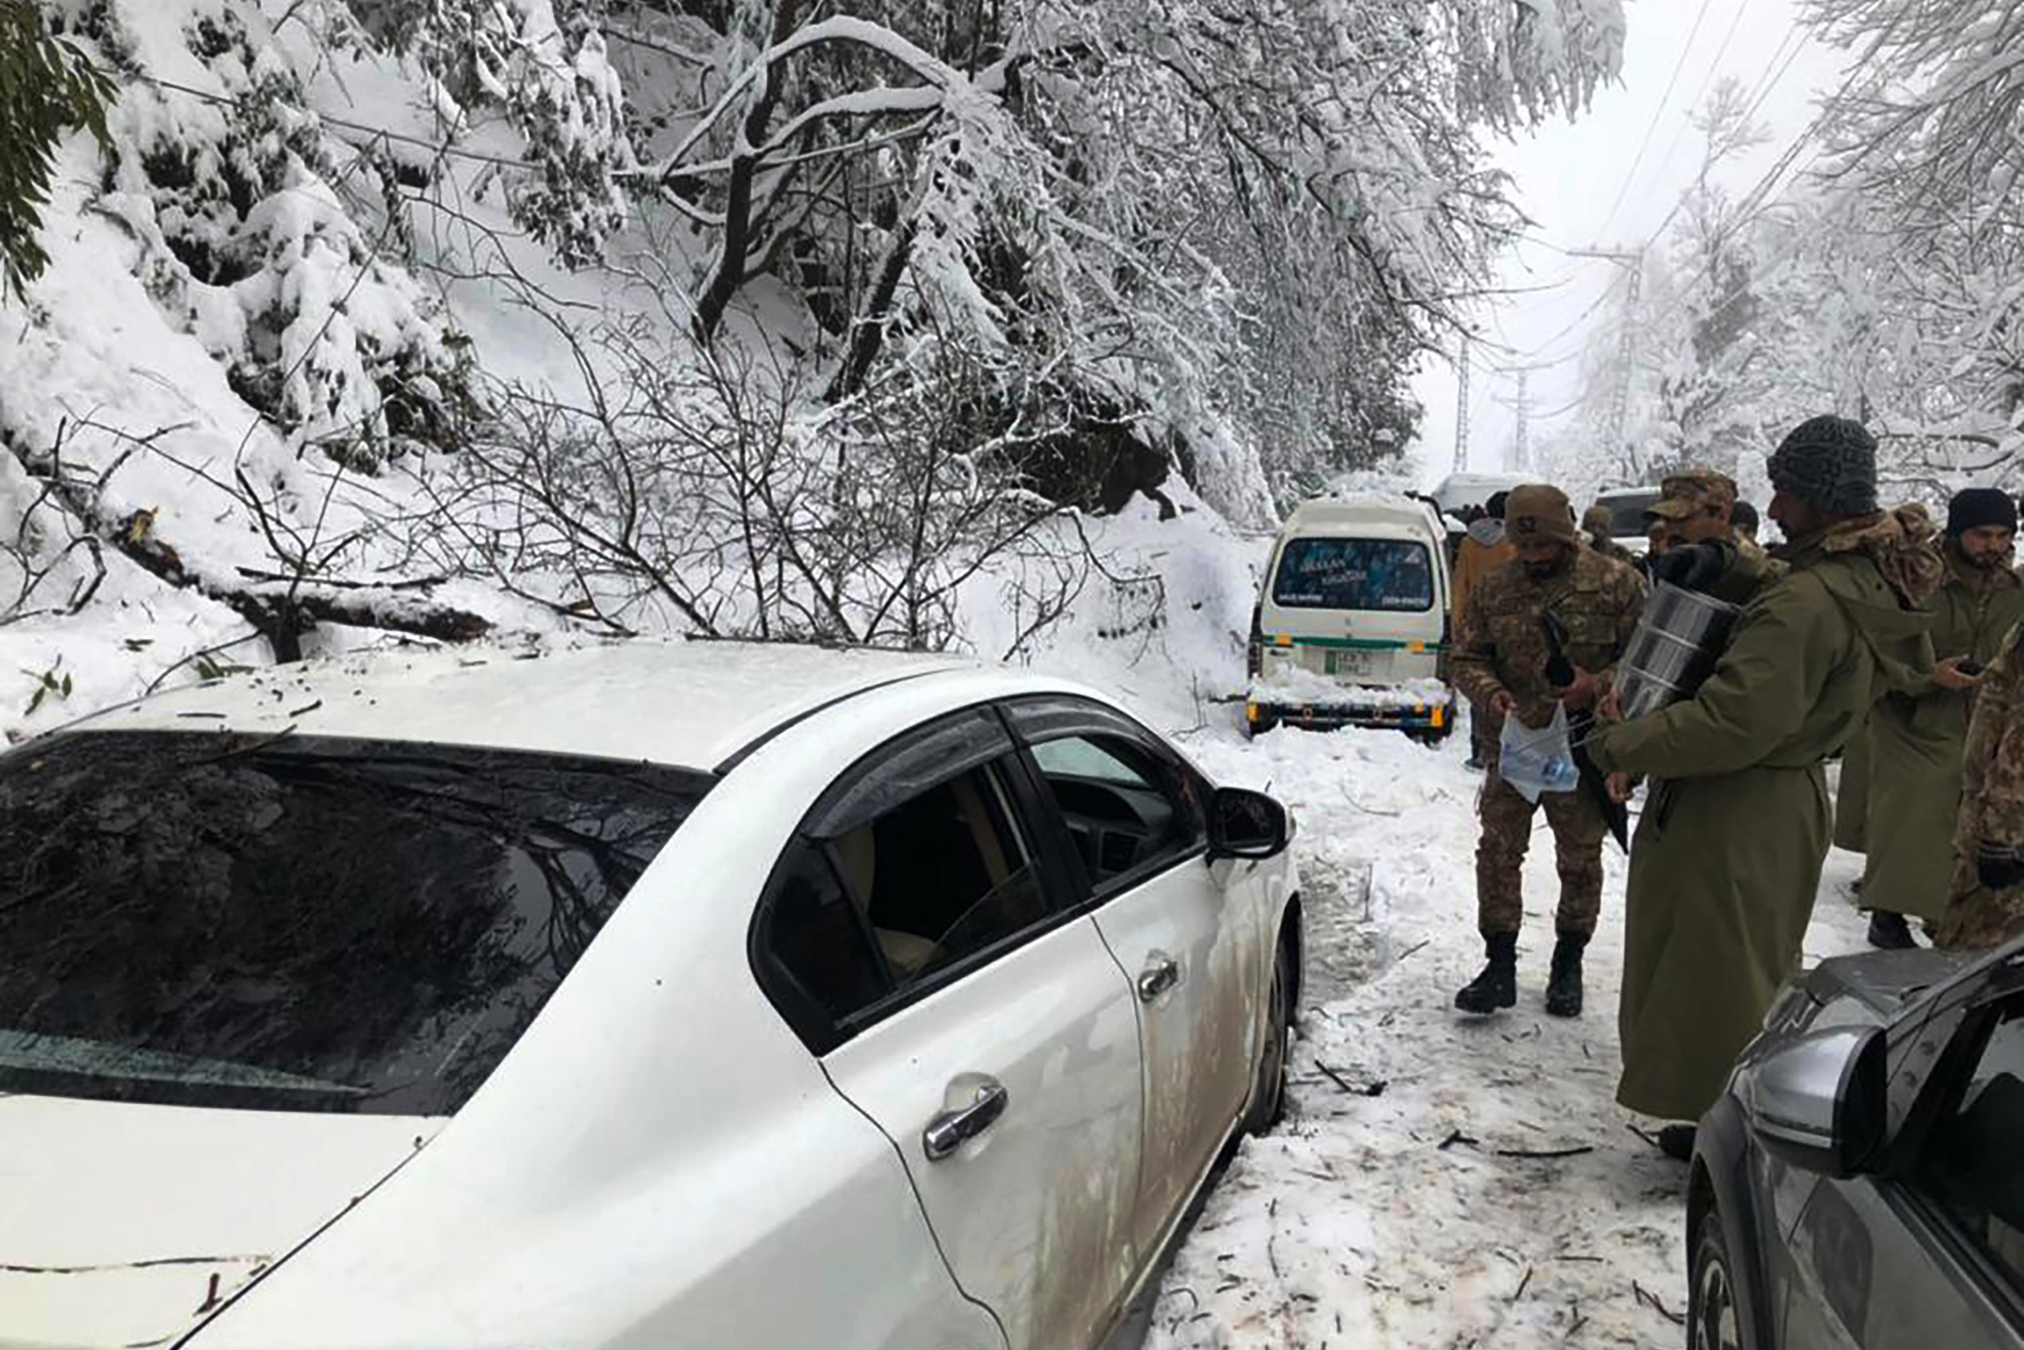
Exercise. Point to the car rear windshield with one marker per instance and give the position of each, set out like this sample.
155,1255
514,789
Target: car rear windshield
1366,574
302,923
1627,513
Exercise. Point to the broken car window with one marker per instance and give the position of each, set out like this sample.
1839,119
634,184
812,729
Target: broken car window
304,923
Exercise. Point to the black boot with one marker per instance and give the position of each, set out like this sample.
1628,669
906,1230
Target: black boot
1497,986
1563,986
1677,1142
1890,931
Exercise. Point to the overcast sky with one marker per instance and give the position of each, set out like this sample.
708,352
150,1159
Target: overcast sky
1570,175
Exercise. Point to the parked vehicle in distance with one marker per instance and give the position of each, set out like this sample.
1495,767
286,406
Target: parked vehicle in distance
1627,507
637,996
1861,1183
1459,492
1351,620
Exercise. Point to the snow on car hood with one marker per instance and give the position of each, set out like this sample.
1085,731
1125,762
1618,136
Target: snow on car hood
126,1225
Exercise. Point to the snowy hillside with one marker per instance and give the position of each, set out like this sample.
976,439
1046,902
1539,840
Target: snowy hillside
370,319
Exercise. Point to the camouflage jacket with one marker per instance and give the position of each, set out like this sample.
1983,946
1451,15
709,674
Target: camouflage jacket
1500,645
1612,550
1992,804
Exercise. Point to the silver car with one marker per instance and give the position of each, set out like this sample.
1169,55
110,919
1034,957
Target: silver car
1861,1182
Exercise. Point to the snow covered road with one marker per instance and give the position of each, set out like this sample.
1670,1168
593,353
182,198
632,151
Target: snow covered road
1414,1198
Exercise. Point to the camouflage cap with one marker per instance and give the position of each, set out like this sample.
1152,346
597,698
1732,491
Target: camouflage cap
1597,519
1691,492
1537,513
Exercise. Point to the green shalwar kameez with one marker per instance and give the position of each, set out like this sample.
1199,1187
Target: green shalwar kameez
1728,852
1918,735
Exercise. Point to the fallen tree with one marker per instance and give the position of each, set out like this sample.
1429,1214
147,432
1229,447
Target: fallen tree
282,605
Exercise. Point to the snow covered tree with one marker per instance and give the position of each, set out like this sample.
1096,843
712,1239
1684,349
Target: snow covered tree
543,65
1706,346
1172,210
1922,176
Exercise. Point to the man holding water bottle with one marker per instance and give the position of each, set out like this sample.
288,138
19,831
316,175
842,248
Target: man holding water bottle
1499,662
1729,847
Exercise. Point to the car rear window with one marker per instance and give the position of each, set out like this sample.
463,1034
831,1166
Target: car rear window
1627,513
1365,574
301,923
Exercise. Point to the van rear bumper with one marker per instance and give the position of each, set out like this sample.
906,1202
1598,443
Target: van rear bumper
1438,719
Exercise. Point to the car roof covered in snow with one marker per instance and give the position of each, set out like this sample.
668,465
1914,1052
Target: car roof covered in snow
693,704
1361,514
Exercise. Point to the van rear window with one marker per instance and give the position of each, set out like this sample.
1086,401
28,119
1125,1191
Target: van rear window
1367,574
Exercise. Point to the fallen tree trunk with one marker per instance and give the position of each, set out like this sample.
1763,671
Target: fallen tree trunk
284,611
279,607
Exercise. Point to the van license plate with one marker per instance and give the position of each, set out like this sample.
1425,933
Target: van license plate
1349,662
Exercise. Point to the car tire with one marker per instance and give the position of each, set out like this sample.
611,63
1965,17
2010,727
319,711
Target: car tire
1268,1089
1714,1314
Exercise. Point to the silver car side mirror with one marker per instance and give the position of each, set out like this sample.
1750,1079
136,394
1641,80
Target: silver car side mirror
1818,1102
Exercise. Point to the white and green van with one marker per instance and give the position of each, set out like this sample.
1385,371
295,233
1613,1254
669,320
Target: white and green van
1352,620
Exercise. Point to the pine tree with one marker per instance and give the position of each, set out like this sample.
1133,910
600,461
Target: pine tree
47,87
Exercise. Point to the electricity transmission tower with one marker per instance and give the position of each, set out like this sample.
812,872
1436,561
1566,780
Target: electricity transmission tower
1462,408
1626,347
1521,440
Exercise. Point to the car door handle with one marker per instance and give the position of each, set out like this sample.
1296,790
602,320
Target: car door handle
1158,977
952,1129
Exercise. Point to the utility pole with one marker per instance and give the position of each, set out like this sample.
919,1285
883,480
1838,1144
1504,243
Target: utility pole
1521,442
1626,347
1462,408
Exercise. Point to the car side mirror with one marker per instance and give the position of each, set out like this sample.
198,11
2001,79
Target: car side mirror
1818,1102
1246,824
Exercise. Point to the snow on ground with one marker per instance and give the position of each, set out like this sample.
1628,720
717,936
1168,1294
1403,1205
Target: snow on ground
1388,1210
1392,1209
1396,1206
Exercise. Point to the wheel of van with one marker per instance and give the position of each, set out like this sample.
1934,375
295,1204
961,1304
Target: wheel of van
1268,1092
1714,1316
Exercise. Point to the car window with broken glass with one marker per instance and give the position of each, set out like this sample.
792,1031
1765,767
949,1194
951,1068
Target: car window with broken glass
302,923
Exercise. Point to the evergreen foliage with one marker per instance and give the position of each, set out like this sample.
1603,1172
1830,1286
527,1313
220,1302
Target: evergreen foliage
47,87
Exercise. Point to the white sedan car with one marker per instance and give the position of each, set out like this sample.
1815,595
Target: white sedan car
935,993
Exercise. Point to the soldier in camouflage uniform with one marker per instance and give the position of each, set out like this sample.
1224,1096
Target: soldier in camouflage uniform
1597,525
1499,663
1985,907
1743,519
1696,507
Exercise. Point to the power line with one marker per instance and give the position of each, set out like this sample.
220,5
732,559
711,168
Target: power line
1754,202
1795,38
1578,320
1759,199
1652,126
1708,80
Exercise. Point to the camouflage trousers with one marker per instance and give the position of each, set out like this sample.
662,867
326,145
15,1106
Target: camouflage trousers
1482,736
1978,918
1578,831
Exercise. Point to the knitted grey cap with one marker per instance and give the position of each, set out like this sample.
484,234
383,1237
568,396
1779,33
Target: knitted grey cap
1830,464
